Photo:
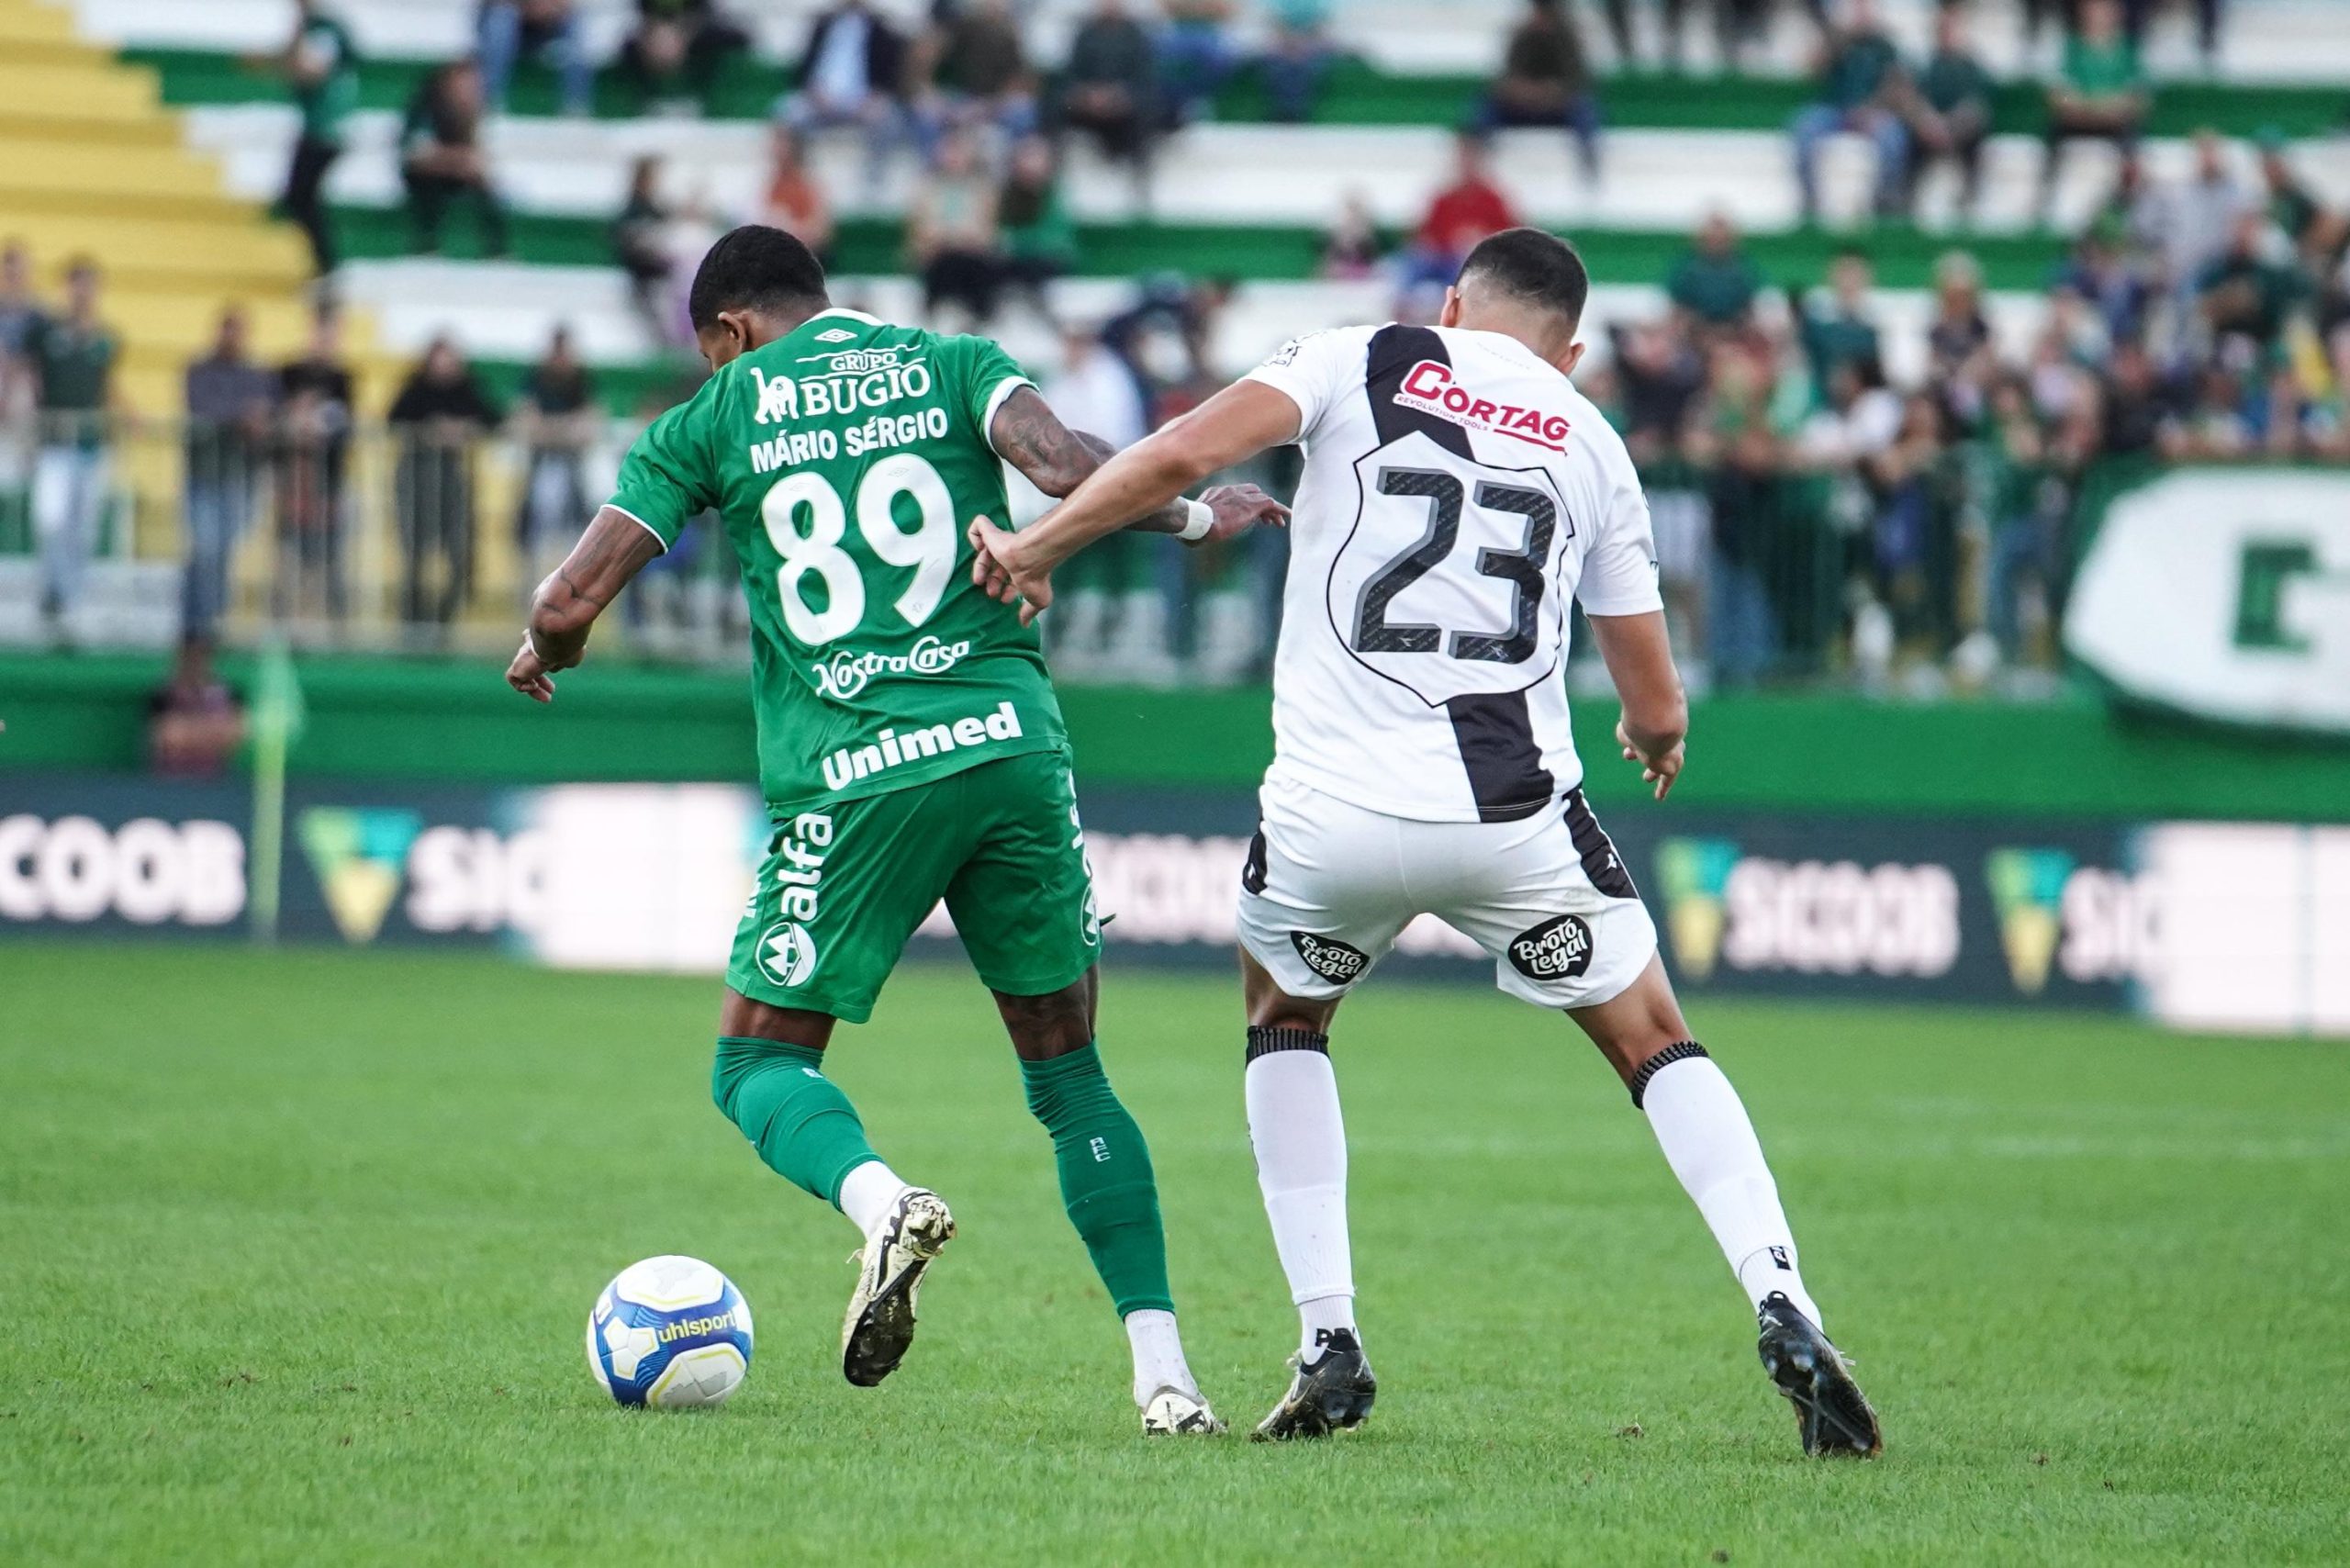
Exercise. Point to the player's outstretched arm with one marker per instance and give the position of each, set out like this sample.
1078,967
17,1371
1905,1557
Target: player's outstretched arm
1654,728
1056,459
613,550
1146,480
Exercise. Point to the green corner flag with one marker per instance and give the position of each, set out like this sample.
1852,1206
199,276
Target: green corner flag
277,723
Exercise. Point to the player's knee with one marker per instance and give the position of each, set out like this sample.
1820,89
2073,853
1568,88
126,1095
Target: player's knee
1636,1027
1269,1007
1655,1030
744,1018
1639,1057
1049,1025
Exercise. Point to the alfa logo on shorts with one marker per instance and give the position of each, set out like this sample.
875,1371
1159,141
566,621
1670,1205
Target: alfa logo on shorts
1338,962
787,953
1559,948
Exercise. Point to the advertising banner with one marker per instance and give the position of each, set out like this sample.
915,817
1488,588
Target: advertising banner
2209,926
362,865
2223,593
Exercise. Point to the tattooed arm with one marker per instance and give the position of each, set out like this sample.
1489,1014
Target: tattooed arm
1236,424
613,550
1027,434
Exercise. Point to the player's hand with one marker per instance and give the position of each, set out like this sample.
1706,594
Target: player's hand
1239,508
529,675
1659,770
998,566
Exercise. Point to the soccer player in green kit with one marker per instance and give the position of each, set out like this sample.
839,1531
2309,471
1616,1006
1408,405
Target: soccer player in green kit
909,749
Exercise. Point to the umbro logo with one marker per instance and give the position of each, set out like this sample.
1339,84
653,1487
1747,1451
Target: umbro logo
836,335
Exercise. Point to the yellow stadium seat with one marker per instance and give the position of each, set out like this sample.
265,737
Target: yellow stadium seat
111,179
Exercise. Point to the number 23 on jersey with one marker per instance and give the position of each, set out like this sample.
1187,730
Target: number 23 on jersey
1443,584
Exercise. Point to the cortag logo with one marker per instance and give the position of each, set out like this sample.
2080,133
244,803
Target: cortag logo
1429,388
1338,962
1559,948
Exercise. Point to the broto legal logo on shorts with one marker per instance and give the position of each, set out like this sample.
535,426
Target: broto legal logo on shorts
1341,963
1559,948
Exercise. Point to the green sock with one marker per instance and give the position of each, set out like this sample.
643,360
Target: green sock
801,1124
1106,1183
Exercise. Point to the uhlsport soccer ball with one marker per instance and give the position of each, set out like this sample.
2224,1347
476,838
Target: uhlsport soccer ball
670,1332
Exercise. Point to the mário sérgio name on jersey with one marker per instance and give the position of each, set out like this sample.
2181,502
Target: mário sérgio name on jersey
909,750
845,461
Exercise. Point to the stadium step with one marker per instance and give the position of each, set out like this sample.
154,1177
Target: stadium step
502,313
1357,92
77,86
226,259
46,174
93,164
42,35
1904,255
1232,176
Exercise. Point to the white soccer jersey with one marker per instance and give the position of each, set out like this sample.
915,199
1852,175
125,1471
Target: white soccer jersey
1458,490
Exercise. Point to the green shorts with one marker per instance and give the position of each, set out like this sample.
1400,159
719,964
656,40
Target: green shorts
844,886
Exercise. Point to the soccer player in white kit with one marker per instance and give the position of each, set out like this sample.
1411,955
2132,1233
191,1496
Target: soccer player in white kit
1458,491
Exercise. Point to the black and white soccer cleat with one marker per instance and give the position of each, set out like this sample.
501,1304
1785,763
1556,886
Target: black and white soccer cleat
1330,1392
1172,1412
1830,1411
880,1322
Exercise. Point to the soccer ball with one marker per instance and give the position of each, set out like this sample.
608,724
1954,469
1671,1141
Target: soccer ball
670,1332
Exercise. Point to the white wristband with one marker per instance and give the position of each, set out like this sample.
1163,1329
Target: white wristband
1203,519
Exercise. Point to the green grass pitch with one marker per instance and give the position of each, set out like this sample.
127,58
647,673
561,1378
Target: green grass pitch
296,1251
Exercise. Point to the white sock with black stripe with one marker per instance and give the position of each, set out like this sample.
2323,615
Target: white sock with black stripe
1301,1143
1703,1128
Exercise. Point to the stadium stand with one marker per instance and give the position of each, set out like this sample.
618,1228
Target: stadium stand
180,227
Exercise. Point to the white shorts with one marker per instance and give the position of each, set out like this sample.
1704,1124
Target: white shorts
1329,885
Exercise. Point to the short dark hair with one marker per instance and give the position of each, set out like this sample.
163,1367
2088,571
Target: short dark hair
1534,267
755,268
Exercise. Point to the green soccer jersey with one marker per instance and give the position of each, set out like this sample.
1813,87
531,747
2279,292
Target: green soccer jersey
325,46
846,460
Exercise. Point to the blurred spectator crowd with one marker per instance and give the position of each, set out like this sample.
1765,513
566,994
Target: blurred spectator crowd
1815,511
281,442
1810,506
